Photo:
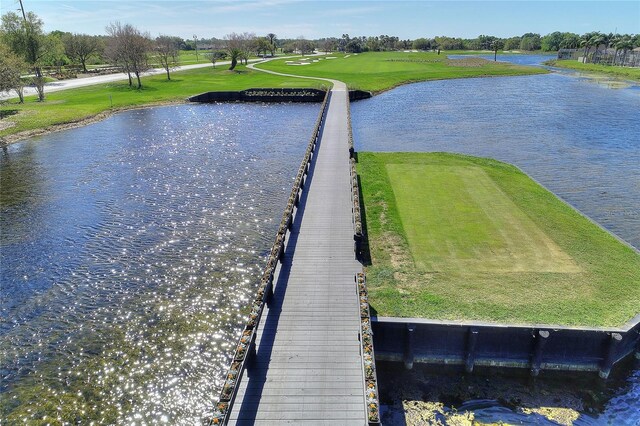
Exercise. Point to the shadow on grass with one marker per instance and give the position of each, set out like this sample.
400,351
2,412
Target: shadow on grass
365,252
8,112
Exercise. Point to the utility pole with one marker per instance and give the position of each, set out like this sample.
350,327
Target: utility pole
24,16
195,42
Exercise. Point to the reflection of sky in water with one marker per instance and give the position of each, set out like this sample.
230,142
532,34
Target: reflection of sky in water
129,248
576,138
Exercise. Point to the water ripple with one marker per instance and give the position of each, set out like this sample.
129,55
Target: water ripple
129,251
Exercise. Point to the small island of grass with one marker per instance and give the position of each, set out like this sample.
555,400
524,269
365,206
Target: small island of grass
454,237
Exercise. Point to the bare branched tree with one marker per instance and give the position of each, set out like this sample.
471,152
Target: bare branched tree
304,46
239,47
168,48
81,47
214,56
128,48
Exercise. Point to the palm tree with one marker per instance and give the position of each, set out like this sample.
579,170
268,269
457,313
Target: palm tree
585,41
495,46
596,41
272,43
613,42
625,45
234,54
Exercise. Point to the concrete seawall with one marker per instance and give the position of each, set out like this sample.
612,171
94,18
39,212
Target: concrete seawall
272,95
535,347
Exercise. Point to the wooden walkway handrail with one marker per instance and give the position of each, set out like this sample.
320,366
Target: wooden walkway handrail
368,357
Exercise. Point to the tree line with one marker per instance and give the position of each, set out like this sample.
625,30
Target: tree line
26,50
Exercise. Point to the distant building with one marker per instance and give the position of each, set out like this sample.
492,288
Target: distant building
567,54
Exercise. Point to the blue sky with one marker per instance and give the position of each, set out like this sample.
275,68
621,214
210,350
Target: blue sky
315,19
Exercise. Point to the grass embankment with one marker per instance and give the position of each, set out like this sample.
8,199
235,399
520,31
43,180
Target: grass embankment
381,71
455,237
75,105
624,72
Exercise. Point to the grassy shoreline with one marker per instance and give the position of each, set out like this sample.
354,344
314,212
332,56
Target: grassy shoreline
608,70
500,249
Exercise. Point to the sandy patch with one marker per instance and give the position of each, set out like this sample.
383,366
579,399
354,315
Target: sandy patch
467,62
6,124
417,396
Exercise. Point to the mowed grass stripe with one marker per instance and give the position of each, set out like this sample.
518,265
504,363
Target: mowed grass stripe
495,267
456,218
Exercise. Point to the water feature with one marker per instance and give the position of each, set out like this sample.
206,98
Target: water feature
574,135
129,249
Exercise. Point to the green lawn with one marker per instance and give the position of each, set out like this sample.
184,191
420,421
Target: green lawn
379,71
625,72
455,237
188,57
78,104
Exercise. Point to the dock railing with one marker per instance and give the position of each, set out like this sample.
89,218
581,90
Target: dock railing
358,230
372,400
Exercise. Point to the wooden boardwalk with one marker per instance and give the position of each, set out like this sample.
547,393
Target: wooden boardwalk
308,367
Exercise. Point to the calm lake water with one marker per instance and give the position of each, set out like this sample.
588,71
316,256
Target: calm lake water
129,249
575,134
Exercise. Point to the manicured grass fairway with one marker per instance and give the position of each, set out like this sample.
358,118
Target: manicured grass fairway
379,71
456,237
